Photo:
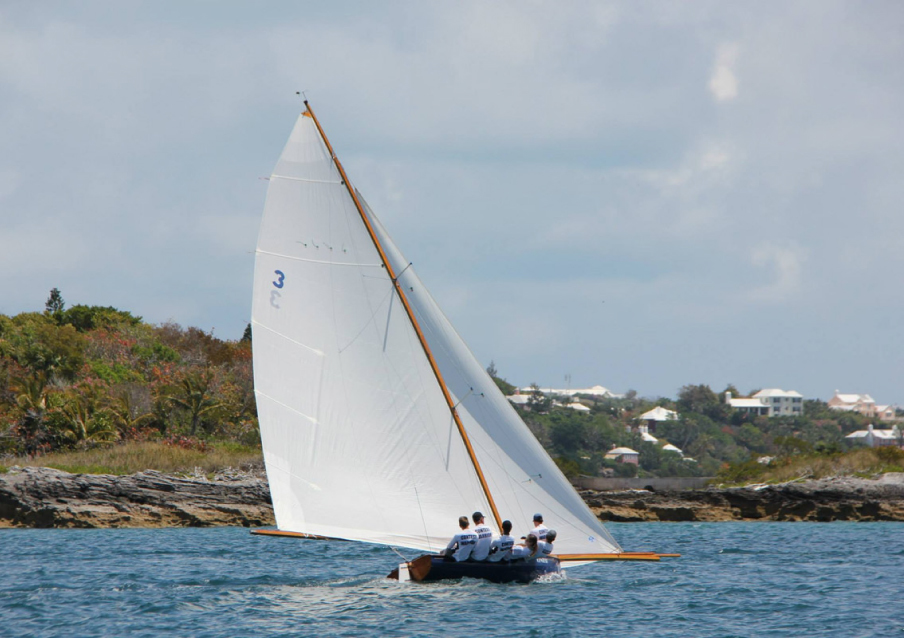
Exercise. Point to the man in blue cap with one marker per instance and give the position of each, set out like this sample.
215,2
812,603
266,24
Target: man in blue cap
539,529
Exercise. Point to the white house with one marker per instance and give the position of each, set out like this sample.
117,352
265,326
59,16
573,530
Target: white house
623,455
769,402
519,399
756,407
861,403
875,438
668,447
577,406
658,415
782,403
595,391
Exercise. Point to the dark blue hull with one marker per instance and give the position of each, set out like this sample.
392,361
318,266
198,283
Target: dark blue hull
430,568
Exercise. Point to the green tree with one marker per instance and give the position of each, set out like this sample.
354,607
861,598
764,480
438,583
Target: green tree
194,395
246,336
55,304
537,401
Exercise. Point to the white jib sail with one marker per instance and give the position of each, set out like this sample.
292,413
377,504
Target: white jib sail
358,440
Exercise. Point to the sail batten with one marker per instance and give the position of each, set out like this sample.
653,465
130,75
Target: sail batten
378,425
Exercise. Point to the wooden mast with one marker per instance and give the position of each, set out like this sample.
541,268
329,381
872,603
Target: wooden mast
414,322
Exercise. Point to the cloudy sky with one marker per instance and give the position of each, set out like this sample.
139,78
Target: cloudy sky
640,195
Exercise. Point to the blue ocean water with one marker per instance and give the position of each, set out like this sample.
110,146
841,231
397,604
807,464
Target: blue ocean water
733,579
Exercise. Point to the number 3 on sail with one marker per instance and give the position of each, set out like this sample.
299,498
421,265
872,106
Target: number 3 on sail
379,425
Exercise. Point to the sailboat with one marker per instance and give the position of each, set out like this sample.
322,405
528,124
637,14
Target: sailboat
378,425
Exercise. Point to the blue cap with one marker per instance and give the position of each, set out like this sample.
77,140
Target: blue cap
538,517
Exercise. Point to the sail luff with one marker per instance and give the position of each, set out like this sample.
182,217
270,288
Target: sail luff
411,316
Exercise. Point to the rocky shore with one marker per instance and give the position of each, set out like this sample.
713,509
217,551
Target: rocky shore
823,500
44,497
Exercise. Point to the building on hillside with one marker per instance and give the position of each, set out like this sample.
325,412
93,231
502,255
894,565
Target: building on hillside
754,407
577,406
657,415
769,402
873,437
595,391
668,447
623,455
519,399
780,402
886,413
860,403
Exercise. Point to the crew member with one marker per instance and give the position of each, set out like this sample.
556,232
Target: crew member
484,538
545,547
539,529
501,547
462,544
528,550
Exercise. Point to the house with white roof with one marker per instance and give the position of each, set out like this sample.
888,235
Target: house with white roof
769,402
860,403
873,437
886,413
780,402
595,391
657,415
624,455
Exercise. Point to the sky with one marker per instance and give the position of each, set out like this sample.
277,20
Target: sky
642,195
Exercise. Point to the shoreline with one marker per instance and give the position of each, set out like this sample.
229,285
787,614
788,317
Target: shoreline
40,497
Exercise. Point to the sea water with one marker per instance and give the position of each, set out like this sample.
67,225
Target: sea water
733,579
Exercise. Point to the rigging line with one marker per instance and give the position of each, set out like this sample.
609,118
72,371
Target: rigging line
426,347
316,261
368,322
302,179
396,278
423,520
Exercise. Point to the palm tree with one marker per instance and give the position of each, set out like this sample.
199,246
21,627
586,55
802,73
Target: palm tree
193,394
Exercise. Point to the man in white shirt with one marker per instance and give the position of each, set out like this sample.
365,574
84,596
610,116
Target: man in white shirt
484,538
501,547
545,547
462,544
539,529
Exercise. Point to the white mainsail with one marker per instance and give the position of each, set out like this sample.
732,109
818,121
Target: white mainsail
359,440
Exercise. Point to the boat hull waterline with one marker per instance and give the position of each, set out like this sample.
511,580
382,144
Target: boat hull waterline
430,567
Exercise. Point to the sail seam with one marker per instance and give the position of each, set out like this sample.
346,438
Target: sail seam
317,261
276,332
288,407
302,179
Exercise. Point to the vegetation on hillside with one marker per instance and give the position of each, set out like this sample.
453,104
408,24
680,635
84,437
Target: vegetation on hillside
714,439
90,376
92,388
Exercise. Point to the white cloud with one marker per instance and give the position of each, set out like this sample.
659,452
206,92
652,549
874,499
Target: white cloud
723,83
785,265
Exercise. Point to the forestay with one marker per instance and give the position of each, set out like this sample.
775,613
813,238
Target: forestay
358,439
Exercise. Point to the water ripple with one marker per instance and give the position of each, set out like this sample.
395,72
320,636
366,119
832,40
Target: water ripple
734,579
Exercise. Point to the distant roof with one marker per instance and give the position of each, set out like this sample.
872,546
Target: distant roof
854,398
596,390
879,434
649,438
747,403
621,450
519,399
580,407
659,413
671,448
777,392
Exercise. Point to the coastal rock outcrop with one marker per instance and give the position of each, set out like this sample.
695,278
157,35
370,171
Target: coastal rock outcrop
45,497
823,500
